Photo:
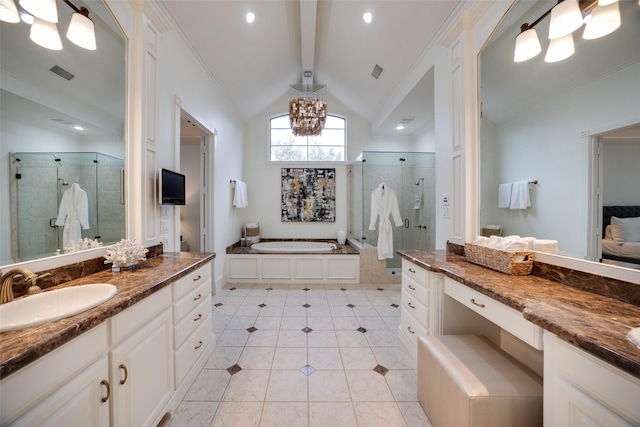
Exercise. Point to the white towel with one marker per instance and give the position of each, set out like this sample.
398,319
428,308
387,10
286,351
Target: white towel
548,246
504,195
530,241
520,195
240,195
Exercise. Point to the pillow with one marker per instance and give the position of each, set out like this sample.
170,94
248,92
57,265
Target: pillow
607,232
625,229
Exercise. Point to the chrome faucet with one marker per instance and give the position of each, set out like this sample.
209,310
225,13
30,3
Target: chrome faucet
6,287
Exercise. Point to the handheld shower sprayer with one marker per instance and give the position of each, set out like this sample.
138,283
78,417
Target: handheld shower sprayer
418,181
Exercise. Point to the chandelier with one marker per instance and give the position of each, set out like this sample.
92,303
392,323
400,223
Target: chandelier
307,116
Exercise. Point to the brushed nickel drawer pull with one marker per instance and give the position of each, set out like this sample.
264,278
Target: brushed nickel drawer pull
473,301
126,373
105,383
198,317
412,288
196,298
199,345
411,305
198,277
410,330
411,270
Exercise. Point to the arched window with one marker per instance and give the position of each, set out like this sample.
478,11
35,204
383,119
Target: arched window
330,146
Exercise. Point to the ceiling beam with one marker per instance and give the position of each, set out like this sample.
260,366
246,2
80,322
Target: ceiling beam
308,12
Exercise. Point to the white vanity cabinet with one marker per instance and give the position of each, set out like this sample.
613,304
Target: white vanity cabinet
421,305
582,390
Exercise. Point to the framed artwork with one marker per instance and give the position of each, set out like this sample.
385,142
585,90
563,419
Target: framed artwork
308,195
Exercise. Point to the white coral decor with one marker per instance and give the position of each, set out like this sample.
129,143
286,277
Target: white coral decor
82,245
125,253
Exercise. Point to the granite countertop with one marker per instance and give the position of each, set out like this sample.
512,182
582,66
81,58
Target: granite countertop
19,348
596,324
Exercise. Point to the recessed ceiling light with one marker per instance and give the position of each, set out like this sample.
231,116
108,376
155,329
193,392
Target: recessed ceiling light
251,17
367,17
399,127
78,127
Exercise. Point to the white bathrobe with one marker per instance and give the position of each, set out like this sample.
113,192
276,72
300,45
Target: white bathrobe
73,214
383,203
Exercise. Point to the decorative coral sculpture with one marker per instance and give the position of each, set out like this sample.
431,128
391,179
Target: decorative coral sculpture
125,253
82,245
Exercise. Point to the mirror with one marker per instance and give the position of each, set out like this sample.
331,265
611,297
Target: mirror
44,94
541,121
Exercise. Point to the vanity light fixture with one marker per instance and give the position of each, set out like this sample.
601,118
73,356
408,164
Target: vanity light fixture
566,17
44,31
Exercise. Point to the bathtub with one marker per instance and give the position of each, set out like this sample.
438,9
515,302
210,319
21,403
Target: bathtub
293,246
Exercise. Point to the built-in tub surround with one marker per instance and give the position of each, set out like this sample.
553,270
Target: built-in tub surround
19,348
597,324
345,249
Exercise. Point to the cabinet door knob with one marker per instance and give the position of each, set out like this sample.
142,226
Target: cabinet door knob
411,305
411,270
126,373
412,288
198,277
199,345
106,385
198,317
197,297
410,330
473,301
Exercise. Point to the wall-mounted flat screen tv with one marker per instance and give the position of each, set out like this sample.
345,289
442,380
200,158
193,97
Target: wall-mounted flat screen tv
171,187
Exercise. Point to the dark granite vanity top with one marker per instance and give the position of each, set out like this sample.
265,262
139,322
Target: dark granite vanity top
595,323
19,348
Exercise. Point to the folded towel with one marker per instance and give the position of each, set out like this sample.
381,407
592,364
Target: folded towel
530,241
548,246
481,241
516,246
240,195
504,195
520,195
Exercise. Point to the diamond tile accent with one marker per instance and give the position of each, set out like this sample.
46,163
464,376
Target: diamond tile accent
308,370
262,305
381,370
342,289
306,329
217,304
350,305
252,329
306,289
306,306
380,289
395,305
234,369
361,329
269,289
232,289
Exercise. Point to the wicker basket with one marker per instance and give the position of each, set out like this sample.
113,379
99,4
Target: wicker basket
517,263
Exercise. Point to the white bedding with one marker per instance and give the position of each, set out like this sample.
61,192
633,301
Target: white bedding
626,249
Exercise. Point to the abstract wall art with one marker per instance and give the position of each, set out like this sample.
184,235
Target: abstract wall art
308,195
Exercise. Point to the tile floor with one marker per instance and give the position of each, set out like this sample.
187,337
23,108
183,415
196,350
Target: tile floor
296,355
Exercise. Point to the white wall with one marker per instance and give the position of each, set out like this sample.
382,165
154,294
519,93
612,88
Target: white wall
546,144
621,170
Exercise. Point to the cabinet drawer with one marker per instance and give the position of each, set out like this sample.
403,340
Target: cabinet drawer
191,300
505,317
190,281
416,273
415,289
416,309
193,347
191,321
411,328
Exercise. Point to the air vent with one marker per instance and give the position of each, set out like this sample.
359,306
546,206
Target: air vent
61,72
377,70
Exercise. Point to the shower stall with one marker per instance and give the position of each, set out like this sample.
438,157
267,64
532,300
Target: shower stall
413,177
38,181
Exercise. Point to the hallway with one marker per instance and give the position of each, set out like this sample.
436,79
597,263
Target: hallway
291,355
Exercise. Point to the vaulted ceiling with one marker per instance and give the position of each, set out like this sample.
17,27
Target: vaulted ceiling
255,63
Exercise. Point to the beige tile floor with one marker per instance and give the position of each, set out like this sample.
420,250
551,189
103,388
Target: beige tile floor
296,355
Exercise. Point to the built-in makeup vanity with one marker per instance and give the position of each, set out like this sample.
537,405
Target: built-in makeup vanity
126,362
575,339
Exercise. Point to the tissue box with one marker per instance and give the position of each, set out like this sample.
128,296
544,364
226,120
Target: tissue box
519,263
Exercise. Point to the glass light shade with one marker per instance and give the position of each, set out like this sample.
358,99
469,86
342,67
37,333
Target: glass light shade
527,45
9,11
45,34
565,19
604,20
560,49
43,9
82,31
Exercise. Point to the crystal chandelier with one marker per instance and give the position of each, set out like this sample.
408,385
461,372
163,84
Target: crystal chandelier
307,116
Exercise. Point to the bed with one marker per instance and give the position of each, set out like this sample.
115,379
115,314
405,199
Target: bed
621,240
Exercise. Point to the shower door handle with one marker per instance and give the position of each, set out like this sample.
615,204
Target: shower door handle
406,223
52,222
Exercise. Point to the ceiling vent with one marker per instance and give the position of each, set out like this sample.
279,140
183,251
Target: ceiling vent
61,72
407,120
377,70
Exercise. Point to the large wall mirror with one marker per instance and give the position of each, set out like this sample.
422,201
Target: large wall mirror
572,126
63,132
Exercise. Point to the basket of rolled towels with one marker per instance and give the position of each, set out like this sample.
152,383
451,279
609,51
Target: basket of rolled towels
511,255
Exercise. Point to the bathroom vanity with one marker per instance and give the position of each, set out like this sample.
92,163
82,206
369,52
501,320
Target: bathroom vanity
573,338
128,361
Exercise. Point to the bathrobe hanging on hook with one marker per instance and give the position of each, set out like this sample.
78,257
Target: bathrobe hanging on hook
383,203
73,214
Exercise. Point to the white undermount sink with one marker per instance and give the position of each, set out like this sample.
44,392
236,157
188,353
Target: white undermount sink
53,305
634,336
